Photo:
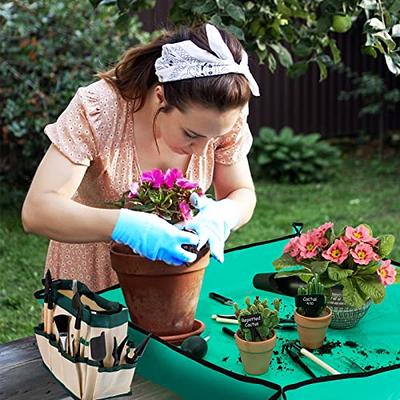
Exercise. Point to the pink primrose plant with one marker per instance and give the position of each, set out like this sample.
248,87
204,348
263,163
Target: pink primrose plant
353,260
164,194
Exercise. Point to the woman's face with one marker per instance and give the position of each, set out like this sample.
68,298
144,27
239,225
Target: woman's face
189,132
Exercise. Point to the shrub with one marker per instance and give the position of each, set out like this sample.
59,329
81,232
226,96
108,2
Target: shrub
49,48
286,157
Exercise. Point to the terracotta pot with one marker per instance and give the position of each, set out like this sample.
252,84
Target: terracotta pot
161,298
198,328
255,356
312,331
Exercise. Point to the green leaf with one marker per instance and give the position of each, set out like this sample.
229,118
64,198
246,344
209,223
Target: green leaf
371,287
324,23
328,283
330,235
337,274
369,50
386,243
303,48
368,271
311,138
393,63
267,134
286,133
298,69
319,267
235,12
323,72
216,20
285,58
205,7
271,61
386,38
301,273
263,159
373,25
334,51
123,21
395,7
396,30
222,4
236,31
285,260
351,295
261,45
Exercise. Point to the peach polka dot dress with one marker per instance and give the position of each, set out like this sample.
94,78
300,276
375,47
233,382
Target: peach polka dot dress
96,130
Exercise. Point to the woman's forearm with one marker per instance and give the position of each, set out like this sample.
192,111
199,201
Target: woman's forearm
245,199
59,218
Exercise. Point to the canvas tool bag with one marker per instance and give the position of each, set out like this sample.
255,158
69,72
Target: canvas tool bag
70,359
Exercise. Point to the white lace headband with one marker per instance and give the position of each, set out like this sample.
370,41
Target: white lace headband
185,60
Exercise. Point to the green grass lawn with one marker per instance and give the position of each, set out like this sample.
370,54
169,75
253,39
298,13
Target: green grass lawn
363,191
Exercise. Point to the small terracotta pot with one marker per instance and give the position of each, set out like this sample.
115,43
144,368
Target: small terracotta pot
312,331
255,356
161,298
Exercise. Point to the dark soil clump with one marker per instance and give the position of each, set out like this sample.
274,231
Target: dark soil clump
350,343
328,347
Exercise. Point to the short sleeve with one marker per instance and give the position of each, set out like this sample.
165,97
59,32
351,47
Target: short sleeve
73,132
235,145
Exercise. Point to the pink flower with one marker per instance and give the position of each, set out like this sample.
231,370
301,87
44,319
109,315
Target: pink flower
171,177
155,177
292,247
376,257
373,241
185,210
387,273
185,184
349,242
308,244
359,234
133,190
324,242
321,230
337,252
362,253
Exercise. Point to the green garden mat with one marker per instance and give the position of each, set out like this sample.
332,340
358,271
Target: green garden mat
374,344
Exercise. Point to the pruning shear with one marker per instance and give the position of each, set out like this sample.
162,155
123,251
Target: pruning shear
222,299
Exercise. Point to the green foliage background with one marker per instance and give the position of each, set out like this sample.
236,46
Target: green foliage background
48,49
294,33
290,158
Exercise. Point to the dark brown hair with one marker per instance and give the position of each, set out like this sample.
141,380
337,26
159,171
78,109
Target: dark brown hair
134,75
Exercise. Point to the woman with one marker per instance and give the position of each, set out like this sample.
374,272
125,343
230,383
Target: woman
179,101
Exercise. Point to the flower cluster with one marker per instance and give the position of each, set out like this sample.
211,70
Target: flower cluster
164,194
353,259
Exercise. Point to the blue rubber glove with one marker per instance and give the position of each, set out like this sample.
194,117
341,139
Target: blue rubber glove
213,223
152,237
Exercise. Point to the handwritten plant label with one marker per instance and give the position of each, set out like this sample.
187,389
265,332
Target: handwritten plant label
251,322
310,303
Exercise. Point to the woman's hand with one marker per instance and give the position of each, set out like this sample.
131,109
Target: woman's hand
213,223
154,238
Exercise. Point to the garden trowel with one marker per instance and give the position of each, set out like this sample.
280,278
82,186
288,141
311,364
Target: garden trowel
98,348
62,324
